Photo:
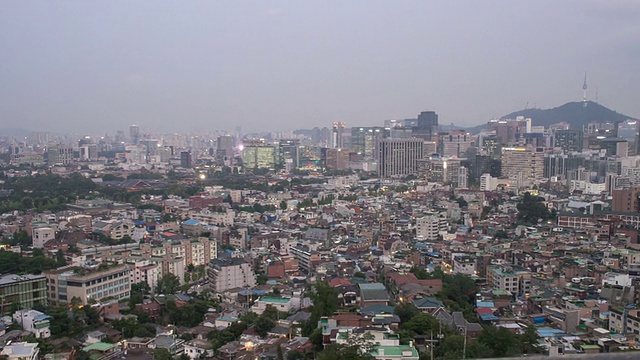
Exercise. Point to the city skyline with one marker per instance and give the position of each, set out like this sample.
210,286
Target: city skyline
90,68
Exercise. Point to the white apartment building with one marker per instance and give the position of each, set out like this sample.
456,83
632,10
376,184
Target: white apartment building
226,274
34,322
41,235
225,218
145,271
464,265
429,227
488,182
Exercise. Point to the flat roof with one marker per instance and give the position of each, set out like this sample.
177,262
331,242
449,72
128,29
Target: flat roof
7,279
99,346
274,299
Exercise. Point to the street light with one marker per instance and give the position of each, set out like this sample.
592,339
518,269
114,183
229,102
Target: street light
250,346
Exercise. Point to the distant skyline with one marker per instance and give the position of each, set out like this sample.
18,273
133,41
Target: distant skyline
183,66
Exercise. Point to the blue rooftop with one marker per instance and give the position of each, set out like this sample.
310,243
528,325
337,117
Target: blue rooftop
485,304
489,317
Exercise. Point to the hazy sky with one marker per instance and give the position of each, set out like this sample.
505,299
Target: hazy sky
94,66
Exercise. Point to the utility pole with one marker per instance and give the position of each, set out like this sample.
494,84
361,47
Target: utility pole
464,346
431,345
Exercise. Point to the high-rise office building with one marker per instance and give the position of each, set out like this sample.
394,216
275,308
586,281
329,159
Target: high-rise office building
364,140
185,159
288,152
626,200
508,131
59,154
440,170
337,132
463,177
426,126
399,156
454,143
568,140
224,150
523,163
259,154
337,159
134,134
615,146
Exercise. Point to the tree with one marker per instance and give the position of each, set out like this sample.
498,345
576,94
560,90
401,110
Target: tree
270,312
501,341
358,347
420,273
249,318
406,311
295,355
263,325
279,353
529,340
325,303
142,287
60,259
161,354
451,347
168,284
532,209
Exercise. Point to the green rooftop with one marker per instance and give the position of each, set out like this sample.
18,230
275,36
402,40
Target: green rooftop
273,299
394,350
99,346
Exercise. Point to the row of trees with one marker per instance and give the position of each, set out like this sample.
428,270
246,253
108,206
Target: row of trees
15,263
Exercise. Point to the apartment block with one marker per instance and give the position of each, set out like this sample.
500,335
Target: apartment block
41,235
626,200
305,256
524,163
429,227
517,282
89,283
625,321
25,290
226,274
34,322
566,319
143,270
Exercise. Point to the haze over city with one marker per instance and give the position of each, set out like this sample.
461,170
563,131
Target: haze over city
92,66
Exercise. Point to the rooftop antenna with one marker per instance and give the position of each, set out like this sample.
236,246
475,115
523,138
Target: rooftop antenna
584,88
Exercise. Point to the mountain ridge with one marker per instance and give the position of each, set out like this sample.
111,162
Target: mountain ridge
574,113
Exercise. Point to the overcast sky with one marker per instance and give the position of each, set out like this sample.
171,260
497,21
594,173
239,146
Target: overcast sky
95,66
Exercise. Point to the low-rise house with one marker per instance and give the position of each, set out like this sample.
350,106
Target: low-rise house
196,349
404,352
21,351
428,305
34,322
281,304
372,294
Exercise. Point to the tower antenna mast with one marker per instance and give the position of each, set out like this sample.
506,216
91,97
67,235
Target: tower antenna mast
584,88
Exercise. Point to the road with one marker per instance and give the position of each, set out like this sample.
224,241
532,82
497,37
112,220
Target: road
632,355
